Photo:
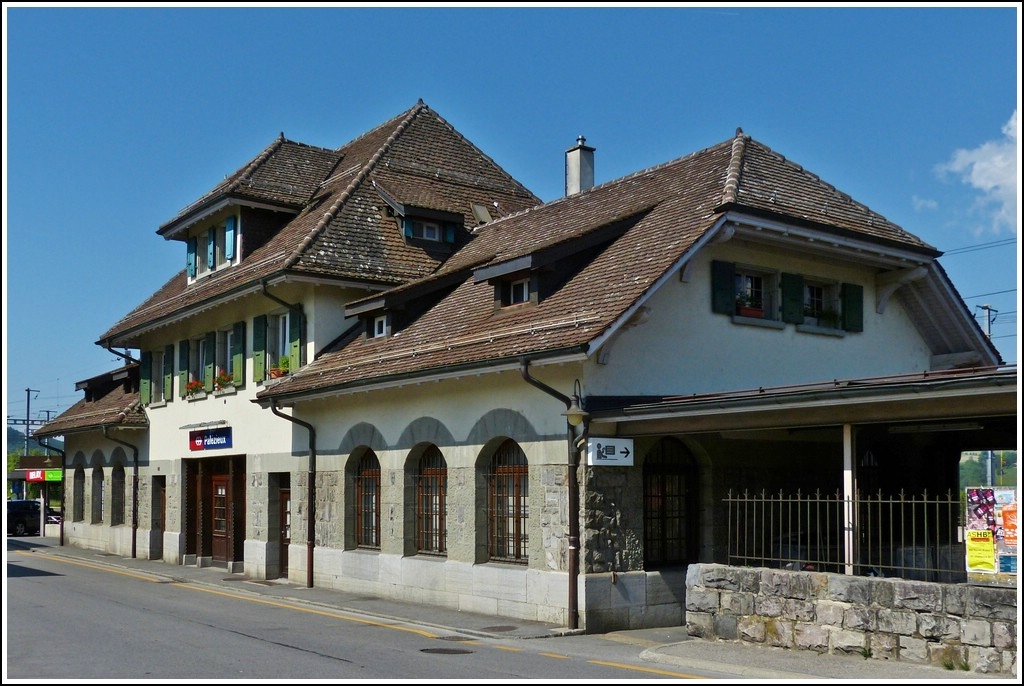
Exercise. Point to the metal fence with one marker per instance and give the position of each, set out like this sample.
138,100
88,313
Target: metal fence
910,537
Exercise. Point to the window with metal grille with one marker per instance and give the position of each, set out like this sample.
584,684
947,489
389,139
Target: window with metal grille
97,495
78,495
368,502
117,496
432,504
508,510
670,505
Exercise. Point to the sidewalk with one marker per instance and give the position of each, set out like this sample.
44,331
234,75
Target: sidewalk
669,646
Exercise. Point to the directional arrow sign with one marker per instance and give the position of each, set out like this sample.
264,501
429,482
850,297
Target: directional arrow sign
609,452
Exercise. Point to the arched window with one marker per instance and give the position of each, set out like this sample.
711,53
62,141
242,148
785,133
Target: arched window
97,495
508,490
117,496
78,495
670,505
431,503
368,501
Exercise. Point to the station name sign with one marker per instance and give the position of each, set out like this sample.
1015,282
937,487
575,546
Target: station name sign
210,439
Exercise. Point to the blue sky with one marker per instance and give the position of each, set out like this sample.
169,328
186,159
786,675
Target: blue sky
117,117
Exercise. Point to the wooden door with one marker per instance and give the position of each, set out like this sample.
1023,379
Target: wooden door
285,517
221,507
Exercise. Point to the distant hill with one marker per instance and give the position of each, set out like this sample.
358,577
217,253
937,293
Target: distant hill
16,443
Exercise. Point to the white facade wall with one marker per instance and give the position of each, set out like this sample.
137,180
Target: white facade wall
685,348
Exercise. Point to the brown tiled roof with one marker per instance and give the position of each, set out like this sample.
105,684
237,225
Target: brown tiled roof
661,213
112,399
286,173
342,231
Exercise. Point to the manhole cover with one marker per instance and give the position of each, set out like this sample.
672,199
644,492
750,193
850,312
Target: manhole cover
456,638
446,651
497,629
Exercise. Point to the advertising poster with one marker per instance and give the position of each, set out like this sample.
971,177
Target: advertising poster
991,530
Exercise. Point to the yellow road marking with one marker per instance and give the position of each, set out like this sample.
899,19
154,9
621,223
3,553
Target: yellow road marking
349,618
101,568
645,669
193,587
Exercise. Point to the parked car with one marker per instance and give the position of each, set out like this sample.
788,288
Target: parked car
22,517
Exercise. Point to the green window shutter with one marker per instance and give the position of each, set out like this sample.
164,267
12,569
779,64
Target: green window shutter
211,356
295,338
182,367
852,296
259,348
407,224
211,242
145,372
723,287
229,238
792,298
190,257
238,353
168,372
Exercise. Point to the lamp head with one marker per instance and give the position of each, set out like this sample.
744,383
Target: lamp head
575,414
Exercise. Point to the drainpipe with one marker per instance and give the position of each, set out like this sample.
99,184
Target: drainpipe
311,487
63,486
292,307
135,487
574,497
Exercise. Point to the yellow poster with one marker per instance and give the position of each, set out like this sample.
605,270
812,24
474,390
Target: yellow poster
981,553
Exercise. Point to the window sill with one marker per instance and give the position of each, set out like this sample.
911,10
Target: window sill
157,403
229,390
821,330
755,321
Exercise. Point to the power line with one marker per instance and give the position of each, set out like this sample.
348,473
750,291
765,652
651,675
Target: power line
979,246
985,295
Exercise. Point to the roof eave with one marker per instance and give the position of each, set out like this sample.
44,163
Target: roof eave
491,366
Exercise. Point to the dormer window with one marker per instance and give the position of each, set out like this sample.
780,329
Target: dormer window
519,292
376,325
430,231
511,292
212,248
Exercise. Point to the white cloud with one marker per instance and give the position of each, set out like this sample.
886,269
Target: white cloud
991,168
923,203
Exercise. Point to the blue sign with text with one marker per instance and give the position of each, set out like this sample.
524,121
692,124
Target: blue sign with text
210,439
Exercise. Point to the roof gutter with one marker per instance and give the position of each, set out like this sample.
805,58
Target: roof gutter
135,487
311,490
63,490
123,356
574,354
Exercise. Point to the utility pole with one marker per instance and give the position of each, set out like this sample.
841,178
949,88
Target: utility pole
989,318
28,405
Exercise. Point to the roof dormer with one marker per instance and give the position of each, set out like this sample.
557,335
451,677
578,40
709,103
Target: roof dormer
213,246
419,225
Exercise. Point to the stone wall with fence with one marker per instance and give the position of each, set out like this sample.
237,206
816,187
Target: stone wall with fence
962,627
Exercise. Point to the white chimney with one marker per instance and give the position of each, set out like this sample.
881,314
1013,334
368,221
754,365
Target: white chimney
579,167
